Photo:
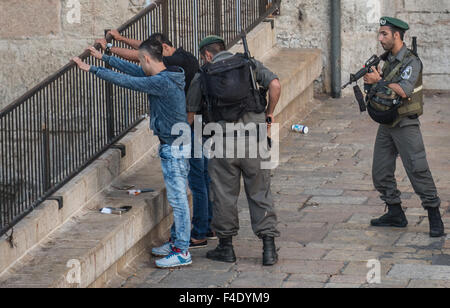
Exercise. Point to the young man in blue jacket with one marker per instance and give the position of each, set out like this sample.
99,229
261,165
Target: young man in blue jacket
198,177
165,89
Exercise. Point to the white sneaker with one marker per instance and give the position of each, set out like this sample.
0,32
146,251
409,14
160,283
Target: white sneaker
175,259
163,251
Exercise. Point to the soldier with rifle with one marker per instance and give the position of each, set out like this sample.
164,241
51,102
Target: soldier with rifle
226,92
395,101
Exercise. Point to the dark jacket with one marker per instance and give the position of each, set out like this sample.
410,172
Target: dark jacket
186,61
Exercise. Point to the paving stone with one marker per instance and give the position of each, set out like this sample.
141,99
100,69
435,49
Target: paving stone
376,237
258,280
333,218
302,285
429,284
347,279
312,267
441,259
422,272
322,278
351,255
303,235
193,278
325,198
342,286
421,241
324,192
362,268
301,254
339,200
388,283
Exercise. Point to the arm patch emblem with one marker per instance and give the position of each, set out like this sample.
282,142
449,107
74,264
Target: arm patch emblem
407,73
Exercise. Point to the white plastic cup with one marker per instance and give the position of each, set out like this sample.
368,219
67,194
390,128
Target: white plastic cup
300,129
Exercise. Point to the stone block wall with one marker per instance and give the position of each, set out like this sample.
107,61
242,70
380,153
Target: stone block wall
40,36
306,24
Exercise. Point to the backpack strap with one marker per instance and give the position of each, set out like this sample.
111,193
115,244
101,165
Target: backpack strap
394,72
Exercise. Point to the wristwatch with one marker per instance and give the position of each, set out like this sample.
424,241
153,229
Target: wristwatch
108,48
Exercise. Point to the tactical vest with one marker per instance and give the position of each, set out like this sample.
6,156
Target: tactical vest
411,106
228,91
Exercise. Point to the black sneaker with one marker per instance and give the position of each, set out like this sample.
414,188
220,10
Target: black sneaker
196,245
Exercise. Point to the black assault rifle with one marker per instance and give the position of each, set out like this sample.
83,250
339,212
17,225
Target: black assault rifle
248,56
367,68
255,87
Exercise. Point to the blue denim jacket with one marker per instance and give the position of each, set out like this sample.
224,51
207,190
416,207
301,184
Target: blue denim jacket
165,93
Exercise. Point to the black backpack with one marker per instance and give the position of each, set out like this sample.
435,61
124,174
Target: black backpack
228,92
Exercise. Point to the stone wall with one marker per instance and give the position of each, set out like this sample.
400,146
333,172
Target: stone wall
306,24
40,36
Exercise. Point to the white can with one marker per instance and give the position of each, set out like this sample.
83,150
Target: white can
300,129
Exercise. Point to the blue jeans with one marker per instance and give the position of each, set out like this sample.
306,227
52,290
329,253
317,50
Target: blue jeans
199,184
175,171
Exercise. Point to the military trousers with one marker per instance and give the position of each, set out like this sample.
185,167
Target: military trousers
225,176
406,142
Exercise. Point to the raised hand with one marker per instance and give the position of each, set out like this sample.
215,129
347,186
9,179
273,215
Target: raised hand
83,66
95,53
115,34
102,43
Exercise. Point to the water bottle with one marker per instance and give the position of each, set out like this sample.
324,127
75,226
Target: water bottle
300,129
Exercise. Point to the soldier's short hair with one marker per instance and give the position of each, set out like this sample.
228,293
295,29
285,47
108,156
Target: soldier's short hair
213,48
400,31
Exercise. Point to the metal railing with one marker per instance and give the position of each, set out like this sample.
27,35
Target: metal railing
59,127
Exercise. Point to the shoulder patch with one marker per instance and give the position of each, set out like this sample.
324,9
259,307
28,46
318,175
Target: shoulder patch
407,73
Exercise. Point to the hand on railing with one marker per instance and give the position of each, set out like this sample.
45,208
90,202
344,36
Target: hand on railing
102,42
95,53
83,66
115,35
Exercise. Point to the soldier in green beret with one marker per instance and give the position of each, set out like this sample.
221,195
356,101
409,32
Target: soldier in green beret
396,101
224,93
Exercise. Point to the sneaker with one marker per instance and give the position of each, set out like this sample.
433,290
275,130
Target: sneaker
198,244
163,251
211,235
176,258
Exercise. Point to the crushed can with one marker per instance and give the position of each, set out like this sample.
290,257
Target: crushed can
300,129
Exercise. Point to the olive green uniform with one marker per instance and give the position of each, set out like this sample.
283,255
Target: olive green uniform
226,173
404,138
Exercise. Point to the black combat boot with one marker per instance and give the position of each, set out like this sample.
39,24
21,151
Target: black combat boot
436,224
270,256
395,217
224,252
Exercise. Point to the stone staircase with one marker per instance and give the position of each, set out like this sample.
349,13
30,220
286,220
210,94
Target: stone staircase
77,246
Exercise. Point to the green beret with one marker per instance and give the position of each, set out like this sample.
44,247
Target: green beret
390,21
210,40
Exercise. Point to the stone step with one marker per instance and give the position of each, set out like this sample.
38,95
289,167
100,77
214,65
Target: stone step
75,195
297,70
260,41
92,242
